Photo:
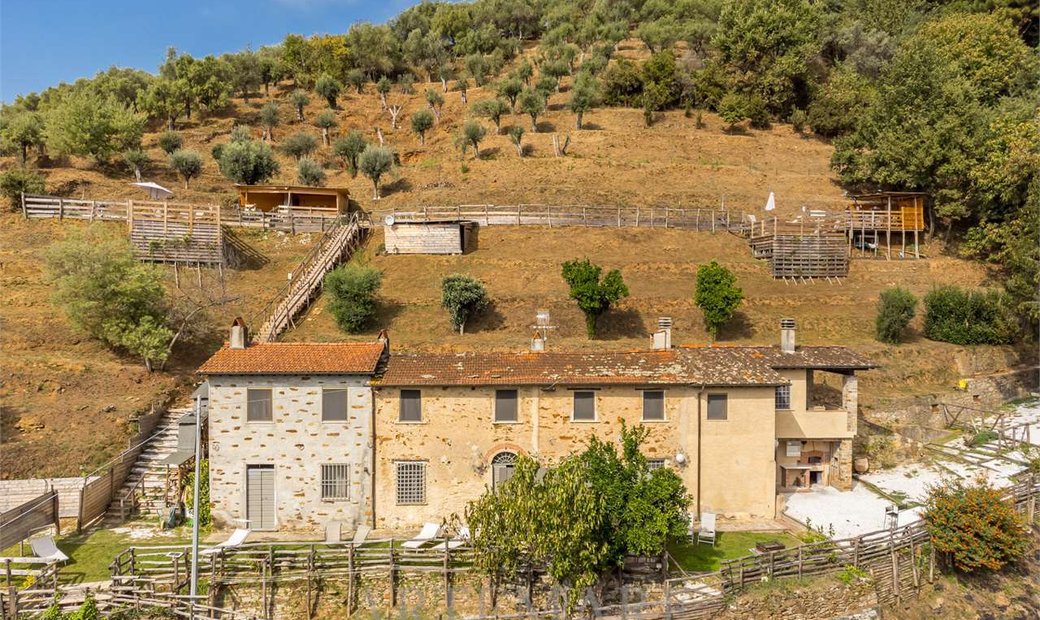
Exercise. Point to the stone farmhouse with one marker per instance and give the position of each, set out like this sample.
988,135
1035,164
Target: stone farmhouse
427,432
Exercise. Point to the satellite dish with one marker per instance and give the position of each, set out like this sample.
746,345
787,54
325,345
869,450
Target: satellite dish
389,220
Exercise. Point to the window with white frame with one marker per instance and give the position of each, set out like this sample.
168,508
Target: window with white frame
503,465
653,464
653,405
584,406
259,405
783,397
411,482
334,404
794,448
505,406
335,481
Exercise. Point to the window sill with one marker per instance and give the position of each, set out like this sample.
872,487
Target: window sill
344,500
260,422
573,421
412,423
506,422
645,421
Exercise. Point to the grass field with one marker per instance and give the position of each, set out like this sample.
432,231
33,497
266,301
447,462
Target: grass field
695,557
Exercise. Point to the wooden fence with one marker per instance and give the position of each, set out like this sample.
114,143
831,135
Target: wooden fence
20,522
689,218
106,483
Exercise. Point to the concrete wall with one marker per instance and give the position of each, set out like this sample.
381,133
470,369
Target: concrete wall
432,238
457,439
16,492
297,443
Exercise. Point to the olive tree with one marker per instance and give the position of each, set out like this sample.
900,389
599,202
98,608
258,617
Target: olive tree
584,96
492,109
299,145
463,297
328,88
325,121
472,133
135,160
310,173
422,121
436,101
532,103
516,136
374,162
170,141
186,163
299,100
248,162
351,295
270,117
348,149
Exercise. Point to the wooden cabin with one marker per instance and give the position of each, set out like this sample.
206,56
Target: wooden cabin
873,220
435,237
295,198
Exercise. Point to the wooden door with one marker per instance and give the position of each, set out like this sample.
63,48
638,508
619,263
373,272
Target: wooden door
260,497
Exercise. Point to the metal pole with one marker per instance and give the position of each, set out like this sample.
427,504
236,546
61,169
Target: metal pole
195,507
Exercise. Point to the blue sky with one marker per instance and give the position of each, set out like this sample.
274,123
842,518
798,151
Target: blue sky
43,42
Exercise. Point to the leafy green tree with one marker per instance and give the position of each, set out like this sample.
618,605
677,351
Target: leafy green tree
895,310
462,85
328,88
422,121
524,71
717,295
186,163
106,293
516,136
584,96
477,66
374,162
299,145
463,297
248,162
21,129
383,88
595,295
532,103
325,121
655,96
170,141
270,117
841,104
165,100
16,181
310,173
732,109
299,100
509,89
136,160
965,317
85,123
356,80
351,295
472,133
492,109
974,526
660,34
349,148
436,101
622,84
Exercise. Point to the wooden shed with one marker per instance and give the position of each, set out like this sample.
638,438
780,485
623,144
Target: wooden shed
297,198
435,237
873,218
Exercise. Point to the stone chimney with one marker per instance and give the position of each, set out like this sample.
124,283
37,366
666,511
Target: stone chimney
239,337
538,342
787,335
662,338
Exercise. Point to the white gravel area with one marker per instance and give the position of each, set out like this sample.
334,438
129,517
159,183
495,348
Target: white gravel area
850,513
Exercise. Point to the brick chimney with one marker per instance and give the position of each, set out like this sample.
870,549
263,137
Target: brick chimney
239,337
787,335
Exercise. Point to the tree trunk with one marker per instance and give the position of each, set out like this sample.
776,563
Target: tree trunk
579,114
534,123
422,139
325,136
267,89
462,328
25,152
375,189
444,84
137,173
463,94
299,113
590,325
185,182
148,364
169,122
382,99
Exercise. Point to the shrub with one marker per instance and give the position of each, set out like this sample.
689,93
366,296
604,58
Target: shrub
717,295
170,141
622,84
463,297
733,109
186,163
422,121
374,162
594,295
15,181
982,437
798,120
299,145
757,112
310,172
963,317
895,310
204,502
328,88
247,161
351,291
974,526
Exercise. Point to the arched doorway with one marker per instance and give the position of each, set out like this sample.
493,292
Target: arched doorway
502,467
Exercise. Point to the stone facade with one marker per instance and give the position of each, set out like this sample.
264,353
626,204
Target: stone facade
458,438
296,442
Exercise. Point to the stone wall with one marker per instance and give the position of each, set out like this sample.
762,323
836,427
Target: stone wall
823,597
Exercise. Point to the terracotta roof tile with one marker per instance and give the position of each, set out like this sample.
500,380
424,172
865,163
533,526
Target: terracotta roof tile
288,358
822,357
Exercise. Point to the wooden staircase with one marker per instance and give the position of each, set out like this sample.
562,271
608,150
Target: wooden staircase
335,246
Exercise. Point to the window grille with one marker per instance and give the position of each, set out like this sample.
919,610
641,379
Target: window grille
411,483
783,397
502,468
653,464
335,481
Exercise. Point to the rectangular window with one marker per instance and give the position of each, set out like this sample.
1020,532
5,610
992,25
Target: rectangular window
411,406
584,407
783,397
334,404
258,405
505,405
653,405
411,482
653,464
717,406
335,481
794,448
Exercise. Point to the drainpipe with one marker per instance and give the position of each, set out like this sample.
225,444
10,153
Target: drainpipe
700,394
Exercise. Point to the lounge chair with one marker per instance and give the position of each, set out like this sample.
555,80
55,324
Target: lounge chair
706,533
333,531
360,534
45,547
460,538
429,532
237,538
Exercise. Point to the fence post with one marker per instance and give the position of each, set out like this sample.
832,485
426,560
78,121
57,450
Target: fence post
548,215
350,580
619,217
54,507
667,600
61,208
393,577
25,211
79,517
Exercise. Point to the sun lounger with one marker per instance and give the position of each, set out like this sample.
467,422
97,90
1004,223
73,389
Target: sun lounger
360,534
45,547
237,538
461,538
429,532
706,533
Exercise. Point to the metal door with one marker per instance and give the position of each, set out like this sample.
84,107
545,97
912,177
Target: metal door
260,497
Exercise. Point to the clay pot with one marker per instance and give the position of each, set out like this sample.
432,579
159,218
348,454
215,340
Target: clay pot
861,465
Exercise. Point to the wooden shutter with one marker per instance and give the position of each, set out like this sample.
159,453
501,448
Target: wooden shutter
260,497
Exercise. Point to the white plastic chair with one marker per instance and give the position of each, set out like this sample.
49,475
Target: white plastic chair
45,547
706,533
429,532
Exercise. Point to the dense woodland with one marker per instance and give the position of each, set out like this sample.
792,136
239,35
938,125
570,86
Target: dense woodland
922,95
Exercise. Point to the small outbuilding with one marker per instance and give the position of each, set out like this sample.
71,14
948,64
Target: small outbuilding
434,237
297,198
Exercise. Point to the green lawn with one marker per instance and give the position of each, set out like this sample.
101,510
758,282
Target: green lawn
694,557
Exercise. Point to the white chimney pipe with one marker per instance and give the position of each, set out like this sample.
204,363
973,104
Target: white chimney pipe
238,334
787,344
